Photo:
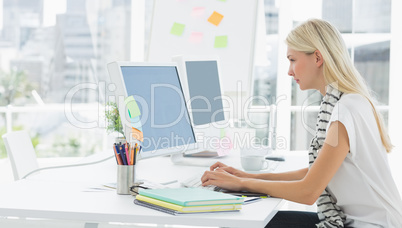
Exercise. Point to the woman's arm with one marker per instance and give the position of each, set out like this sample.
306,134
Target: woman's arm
285,176
292,175
306,190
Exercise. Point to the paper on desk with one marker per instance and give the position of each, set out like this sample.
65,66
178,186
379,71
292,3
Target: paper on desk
152,185
101,188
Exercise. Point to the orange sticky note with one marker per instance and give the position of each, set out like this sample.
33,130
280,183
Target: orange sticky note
215,18
137,134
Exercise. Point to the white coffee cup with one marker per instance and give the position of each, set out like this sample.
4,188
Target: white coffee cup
253,162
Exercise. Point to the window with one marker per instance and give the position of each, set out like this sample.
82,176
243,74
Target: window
53,56
366,28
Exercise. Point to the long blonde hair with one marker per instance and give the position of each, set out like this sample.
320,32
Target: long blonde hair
316,34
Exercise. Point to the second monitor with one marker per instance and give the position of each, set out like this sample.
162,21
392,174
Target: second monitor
202,88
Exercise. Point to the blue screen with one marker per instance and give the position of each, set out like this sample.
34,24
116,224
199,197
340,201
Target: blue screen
205,92
164,115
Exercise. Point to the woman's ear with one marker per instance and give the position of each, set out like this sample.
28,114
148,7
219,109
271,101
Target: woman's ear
318,58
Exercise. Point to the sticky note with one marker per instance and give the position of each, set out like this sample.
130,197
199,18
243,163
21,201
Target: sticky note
223,133
197,11
225,146
221,41
136,123
222,0
215,18
177,29
132,107
196,37
137,134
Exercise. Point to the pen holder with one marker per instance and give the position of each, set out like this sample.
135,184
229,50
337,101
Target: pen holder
125,178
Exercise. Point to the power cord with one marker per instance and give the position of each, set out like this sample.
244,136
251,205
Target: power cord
66,166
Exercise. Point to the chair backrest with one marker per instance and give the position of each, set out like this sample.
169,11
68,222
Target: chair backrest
21,153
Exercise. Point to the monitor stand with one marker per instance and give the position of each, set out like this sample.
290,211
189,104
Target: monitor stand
204,159
202,154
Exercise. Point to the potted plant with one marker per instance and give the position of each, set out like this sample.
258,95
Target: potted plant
113,122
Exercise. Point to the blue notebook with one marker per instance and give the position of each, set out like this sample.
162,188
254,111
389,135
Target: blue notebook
191,196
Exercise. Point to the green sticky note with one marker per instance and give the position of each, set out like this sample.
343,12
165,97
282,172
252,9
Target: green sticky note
221,41
223,133
177,29
222,0
132,107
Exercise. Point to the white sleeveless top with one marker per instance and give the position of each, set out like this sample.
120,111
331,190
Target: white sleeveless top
363,186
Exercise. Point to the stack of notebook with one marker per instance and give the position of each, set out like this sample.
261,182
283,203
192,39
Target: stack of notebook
187,200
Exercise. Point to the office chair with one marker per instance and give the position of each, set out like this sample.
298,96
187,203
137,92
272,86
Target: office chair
21,153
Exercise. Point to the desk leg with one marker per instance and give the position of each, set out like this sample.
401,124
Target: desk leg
91,225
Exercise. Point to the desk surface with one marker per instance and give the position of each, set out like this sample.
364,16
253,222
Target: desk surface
64,194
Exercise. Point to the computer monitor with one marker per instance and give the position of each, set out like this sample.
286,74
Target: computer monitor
157,90
202,88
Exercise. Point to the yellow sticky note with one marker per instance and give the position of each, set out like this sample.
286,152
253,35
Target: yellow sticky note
215,18
132,107
221,41
177,29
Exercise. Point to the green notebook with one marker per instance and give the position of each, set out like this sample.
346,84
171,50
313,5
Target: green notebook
188,209
191,196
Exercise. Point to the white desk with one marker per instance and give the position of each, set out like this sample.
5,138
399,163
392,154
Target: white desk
60,194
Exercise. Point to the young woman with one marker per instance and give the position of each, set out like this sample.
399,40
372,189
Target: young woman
348,175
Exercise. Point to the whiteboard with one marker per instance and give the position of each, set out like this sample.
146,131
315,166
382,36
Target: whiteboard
199,36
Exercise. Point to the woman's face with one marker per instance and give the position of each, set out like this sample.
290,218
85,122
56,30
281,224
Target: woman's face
306,69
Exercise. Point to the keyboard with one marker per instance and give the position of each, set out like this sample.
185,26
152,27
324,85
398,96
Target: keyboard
195,182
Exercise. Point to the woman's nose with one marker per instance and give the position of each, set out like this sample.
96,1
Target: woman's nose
290,72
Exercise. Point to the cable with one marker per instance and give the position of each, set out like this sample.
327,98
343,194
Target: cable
66,166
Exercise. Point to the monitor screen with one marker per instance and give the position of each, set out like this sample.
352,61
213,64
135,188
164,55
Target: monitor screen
205,91
164,115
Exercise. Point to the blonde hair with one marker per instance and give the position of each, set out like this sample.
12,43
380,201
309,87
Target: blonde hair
316,34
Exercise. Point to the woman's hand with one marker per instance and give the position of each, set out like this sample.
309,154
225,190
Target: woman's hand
231,170
219,177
